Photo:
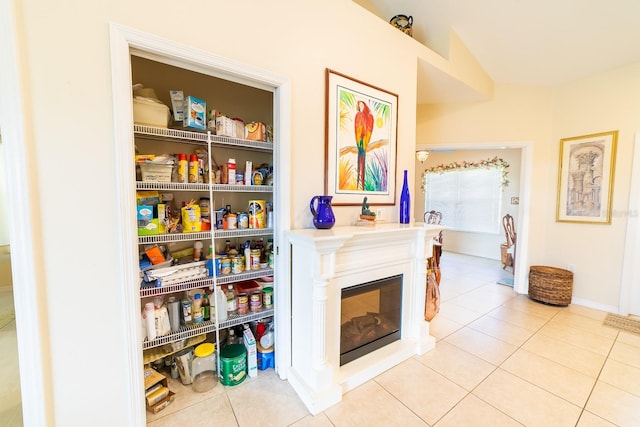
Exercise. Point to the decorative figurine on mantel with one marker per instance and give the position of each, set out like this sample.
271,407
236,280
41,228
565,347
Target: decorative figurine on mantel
367,214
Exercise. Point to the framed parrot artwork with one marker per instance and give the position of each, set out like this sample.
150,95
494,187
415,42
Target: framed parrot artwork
360,146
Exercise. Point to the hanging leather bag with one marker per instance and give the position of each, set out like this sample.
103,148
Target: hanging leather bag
432,297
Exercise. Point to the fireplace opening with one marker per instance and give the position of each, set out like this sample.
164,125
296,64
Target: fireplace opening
370,317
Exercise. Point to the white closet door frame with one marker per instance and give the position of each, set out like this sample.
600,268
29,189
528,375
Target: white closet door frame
124,42
35,375
630,284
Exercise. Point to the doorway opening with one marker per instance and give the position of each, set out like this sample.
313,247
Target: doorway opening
515,201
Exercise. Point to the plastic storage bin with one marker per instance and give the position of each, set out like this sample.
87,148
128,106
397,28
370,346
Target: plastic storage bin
150,112
155,172
203,368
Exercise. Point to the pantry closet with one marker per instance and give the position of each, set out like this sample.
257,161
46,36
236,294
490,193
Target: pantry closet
235,90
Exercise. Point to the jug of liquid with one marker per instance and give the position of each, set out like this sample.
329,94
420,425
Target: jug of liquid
322,212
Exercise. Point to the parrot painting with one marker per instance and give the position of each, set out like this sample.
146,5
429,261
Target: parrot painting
363,125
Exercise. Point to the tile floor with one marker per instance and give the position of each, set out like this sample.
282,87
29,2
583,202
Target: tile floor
500,360
10,399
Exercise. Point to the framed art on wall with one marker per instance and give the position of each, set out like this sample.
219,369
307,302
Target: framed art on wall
585,178
361,141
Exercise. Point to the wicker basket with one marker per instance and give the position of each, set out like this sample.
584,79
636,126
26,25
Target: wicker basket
551,285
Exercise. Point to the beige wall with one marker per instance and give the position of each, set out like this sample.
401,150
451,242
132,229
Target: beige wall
606,102
65,67
609,101
515,114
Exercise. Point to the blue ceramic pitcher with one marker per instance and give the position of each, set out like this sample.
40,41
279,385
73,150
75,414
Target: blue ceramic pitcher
322,212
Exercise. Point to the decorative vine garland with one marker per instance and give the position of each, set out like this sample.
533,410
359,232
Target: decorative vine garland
496,162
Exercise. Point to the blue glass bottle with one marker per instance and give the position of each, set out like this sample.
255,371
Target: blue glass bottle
405,202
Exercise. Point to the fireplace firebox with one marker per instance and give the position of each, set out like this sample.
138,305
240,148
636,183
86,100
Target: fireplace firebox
370,317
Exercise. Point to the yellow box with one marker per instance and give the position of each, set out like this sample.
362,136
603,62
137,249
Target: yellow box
255,131
151,378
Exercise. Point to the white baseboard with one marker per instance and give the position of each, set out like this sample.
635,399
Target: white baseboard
595,305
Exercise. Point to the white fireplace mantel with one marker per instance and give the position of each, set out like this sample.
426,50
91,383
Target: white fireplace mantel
323,262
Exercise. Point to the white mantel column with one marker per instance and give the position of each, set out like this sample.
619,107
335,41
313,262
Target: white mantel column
323,272
311,374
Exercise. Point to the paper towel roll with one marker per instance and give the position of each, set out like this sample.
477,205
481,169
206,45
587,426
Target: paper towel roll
174,314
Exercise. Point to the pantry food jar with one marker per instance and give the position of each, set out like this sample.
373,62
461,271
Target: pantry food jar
267,297
203,368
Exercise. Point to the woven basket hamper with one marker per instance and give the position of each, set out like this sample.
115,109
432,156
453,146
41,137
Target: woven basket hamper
551,285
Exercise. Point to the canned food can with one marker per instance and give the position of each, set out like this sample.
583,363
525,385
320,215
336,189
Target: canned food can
237,266
243,220
233,364
267,297
255,301
225,266
257,214
243,303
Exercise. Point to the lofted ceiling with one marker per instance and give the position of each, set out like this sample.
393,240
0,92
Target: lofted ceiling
541,43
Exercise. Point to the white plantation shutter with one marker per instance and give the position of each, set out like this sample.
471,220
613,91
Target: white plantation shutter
468,199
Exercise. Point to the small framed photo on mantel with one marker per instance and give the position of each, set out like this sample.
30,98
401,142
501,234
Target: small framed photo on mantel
585,178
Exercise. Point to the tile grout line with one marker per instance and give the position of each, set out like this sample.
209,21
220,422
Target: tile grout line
470,392
584,408
502,363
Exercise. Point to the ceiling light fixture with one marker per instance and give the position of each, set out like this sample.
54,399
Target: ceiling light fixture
422,155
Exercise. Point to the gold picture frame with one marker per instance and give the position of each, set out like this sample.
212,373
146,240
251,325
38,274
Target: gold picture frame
360,141
585,178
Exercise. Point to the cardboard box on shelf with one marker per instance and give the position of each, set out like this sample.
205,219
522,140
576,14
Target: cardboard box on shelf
195,111
252,355
239,131
225,126
177,102
147,224
157,393
255,131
